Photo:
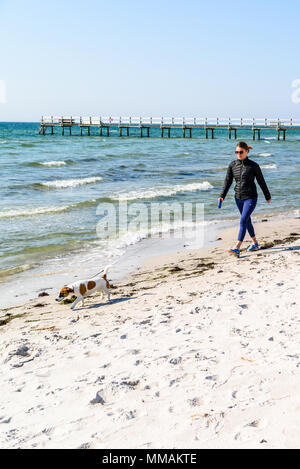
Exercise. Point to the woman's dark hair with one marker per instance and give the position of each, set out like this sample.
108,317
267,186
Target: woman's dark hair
245,146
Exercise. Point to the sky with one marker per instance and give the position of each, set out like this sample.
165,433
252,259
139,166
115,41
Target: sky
169,58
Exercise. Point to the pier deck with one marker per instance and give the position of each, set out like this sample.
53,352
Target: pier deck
208,125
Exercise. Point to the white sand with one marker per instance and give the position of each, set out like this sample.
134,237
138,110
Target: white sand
206,357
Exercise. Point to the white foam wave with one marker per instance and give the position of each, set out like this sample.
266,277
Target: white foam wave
54,163
62,184
25,212
264,154
269,166
163,191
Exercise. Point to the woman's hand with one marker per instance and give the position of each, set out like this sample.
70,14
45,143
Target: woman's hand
220,200
269,201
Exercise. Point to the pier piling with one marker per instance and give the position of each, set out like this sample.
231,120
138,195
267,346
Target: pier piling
256,131
230,130
279,132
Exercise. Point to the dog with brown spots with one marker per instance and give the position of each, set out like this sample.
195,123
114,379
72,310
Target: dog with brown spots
86,288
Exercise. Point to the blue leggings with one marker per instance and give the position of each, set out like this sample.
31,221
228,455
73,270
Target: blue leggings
246,207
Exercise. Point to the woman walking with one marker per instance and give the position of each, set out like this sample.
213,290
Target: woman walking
245,171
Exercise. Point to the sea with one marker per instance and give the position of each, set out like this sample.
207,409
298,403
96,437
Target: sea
60,198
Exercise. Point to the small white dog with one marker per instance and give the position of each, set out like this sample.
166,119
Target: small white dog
86,288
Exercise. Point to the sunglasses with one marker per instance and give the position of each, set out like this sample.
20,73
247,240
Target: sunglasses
239,152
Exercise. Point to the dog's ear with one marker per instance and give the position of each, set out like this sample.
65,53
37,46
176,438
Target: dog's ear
65,291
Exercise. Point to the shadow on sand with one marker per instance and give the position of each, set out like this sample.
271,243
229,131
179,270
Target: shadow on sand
272,251
115,301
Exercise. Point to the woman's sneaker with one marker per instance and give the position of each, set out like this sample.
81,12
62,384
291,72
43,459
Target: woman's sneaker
253,247
235,252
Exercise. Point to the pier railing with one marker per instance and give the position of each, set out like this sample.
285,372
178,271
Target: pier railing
202,122
189,125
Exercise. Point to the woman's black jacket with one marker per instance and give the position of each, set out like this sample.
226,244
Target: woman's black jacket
244,172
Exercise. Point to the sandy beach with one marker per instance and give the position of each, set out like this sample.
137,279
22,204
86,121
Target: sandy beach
196,350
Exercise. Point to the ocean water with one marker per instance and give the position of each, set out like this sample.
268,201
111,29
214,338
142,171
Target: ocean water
51,187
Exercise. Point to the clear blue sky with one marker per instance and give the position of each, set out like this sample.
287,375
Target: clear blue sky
157,57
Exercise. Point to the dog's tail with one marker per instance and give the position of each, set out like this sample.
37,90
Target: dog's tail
103,271
107,268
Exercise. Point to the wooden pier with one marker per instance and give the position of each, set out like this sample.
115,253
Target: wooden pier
206,126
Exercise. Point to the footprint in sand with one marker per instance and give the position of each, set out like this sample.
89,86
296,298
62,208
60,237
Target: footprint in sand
5,420
85,446
176,361
48,431
195,402
127,415
212,378
249,429
174,381
99,399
